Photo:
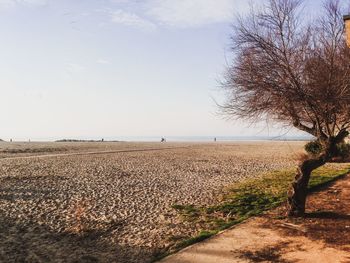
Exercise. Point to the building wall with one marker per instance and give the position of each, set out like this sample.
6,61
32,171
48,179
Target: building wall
347,26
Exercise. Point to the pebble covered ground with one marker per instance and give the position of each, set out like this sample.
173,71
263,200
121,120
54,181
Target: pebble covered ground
116,207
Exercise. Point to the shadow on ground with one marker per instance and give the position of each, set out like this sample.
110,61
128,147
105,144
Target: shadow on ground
35,243
327,218
29,238
327,215
23,240
267,254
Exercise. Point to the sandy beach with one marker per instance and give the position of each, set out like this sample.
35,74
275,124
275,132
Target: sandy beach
74,204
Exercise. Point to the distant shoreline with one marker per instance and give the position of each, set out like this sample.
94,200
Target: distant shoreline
198,139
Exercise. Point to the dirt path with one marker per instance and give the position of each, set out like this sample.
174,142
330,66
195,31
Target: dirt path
89,153
323,236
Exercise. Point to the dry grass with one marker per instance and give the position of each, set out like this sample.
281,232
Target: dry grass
79,217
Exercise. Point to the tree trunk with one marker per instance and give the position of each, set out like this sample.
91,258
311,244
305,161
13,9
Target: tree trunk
297,199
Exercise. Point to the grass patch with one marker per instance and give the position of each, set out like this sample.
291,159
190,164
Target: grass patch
250,198
189,212
200,237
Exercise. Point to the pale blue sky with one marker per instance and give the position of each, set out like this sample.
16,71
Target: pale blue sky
102,68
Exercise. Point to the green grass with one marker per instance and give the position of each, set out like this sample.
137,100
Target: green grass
200,237
250,198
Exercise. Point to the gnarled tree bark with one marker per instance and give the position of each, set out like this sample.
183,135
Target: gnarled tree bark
297,198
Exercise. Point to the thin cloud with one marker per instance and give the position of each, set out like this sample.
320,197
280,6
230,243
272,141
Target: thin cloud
74,68
131,19
191,13
13,3
6,3
179,13
102,61
33,2
120,1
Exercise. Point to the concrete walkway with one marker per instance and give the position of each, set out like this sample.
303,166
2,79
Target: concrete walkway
255,241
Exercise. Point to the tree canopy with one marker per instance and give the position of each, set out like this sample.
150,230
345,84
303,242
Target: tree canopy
296,71
290,70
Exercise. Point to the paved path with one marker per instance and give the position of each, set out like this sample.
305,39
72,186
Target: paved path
253,242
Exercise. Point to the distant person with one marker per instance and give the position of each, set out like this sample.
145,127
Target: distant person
10,140
163,140
102,140
215,139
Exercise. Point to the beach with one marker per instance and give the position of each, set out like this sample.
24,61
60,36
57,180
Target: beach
112,202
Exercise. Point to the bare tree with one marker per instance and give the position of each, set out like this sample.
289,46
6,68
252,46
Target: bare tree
295,72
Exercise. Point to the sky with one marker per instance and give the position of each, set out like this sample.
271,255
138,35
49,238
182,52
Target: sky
109,68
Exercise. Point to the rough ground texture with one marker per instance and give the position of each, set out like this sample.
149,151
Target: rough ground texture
117,207
323,236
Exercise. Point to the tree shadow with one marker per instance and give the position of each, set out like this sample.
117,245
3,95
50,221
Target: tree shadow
31,242
326,185
266,254
27,187
327,215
